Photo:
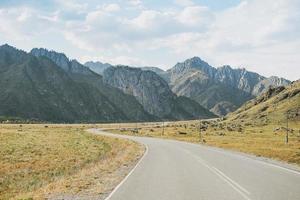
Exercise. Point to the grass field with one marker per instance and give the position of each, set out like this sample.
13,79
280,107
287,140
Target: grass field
39,161
257,140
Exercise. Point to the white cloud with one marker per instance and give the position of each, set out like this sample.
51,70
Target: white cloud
72,5
261,35
112,7
148,19
128,60
252,32
24,15
184,2
75,40
195,16
52,17
237,36
135,2
23,23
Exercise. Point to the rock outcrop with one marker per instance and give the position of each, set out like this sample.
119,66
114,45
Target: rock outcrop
211,87
153,93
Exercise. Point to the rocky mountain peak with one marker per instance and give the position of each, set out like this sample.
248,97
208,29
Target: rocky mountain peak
196,63
9,55
147,87
60,59
11,49
185,68
264,84
226,67
196,60
6,46
152,92
154,69
194,77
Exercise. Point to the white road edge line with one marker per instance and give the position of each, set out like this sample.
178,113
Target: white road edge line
279,167
256,160
126,177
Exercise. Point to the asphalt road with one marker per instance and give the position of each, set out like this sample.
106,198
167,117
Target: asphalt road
173,170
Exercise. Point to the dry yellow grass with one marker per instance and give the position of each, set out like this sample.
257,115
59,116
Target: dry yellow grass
38,161
257,140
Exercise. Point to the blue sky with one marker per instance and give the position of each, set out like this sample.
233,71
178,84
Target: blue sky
259,35
157,4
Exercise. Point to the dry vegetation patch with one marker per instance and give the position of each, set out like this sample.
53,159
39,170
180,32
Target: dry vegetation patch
257,139
38,161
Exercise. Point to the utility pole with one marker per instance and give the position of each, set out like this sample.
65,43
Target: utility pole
163,130
287,128
298,120
136,127
200,135
142,103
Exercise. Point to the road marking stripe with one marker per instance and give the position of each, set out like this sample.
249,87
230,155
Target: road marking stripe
123,181
232,181
233,186
225,178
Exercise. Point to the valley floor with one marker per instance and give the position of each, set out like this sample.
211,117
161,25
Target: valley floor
61,161
263,141
66,162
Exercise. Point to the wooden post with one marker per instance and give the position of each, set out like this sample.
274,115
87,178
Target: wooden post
200,135
287,128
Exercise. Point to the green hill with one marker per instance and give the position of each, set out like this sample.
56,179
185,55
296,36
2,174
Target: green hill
272,107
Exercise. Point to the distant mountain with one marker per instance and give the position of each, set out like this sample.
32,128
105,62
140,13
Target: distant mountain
47,85
60,59
266,83
222,89
125,103
153,93
35,87
222,108
158,71
97,67
271,107
154,69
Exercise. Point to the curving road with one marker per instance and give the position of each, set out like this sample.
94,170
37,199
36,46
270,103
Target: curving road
173,170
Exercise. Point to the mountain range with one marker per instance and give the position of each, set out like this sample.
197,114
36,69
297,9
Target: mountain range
32,86
46,85
220,90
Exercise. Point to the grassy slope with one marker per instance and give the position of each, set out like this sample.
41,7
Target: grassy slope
271,107
251,129
36,161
